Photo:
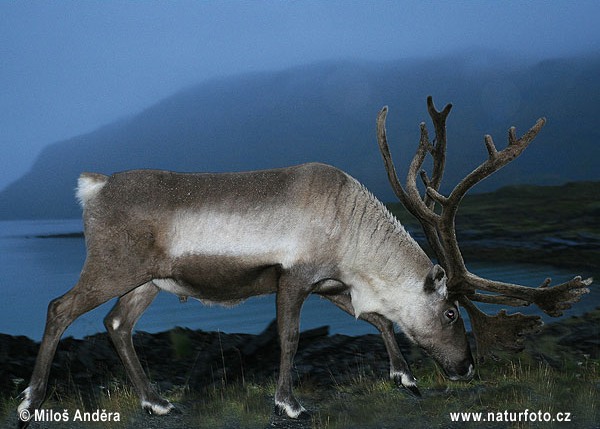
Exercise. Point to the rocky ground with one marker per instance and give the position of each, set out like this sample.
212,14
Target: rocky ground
197,359
194,359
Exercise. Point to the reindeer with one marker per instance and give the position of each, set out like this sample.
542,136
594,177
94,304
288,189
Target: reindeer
296,231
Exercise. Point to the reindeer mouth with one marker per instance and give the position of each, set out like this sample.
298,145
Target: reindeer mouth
467,377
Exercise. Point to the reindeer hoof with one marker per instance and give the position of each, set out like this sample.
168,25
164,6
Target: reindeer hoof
24,410
287,411
413,390
175,411
159,408
407,382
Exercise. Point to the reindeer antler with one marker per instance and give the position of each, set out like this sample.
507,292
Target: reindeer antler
500,331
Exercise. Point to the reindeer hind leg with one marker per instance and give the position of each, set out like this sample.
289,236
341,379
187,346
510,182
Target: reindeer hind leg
90,291
120,323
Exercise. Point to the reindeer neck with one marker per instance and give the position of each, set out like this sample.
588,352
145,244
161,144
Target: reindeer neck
382,250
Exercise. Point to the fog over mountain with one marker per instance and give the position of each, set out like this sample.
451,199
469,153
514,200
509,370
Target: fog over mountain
326,112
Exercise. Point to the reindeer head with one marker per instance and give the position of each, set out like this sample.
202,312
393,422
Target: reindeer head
501,331
433,322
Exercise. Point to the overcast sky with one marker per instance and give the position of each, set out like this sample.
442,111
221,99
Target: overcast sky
69,67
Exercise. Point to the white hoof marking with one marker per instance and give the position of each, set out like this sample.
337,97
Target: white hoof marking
405,379
293,414
26,401
157,409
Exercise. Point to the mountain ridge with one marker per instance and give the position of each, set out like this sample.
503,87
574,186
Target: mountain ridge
326,112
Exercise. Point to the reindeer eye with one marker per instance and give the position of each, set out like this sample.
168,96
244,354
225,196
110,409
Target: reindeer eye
450,314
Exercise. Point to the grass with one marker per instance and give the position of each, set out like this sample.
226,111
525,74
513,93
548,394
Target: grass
235,405
368,402
181,343
512,385
548,376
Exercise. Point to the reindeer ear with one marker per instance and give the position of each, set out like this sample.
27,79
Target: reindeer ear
436,281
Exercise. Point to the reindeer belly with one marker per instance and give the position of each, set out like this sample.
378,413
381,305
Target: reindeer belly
220,279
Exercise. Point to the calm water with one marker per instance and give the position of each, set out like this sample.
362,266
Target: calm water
35,270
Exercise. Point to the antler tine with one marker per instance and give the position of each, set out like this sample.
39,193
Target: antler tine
415,168
387,156
552,300
498,300
438,116
491,148
495,162
411,202
439,151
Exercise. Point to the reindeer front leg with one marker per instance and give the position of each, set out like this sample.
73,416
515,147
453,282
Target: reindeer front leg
400,372
291,293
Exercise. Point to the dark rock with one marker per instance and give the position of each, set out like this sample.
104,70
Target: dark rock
583,338
268,336
214,357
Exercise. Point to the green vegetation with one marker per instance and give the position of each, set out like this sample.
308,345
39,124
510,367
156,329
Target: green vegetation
550,376
234,406
512,386
182,346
